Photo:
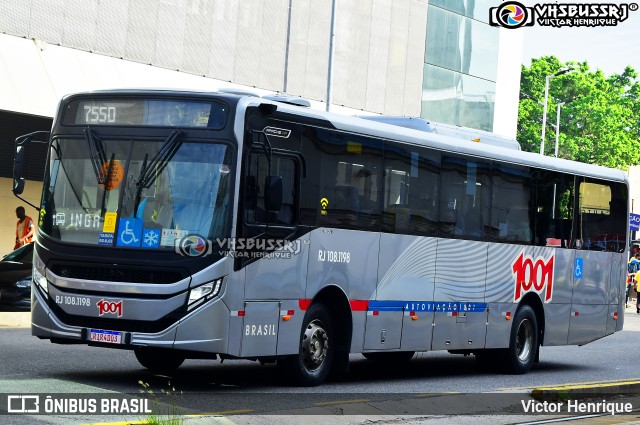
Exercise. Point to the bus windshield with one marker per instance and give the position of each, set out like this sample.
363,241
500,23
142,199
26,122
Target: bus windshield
136,193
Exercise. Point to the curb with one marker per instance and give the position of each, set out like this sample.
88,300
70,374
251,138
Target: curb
586,390
15,319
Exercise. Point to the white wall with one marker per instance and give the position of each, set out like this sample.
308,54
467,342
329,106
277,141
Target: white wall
34,76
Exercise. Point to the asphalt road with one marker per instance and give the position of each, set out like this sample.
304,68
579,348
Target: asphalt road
32,365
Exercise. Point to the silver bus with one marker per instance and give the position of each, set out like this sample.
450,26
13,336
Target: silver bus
184,224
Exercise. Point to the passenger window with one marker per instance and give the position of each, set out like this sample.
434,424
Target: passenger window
465,198
513,195
554,212
601,221
350,185
412,183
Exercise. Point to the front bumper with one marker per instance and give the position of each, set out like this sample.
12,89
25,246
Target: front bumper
204,329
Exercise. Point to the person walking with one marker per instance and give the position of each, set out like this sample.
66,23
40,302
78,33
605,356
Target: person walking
637,295
24,228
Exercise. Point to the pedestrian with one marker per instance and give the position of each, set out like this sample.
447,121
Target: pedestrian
24,228
634,263
637,296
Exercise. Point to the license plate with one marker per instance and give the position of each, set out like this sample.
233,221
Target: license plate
109,337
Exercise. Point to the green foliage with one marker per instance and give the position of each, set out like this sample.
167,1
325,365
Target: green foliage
600,121
164,406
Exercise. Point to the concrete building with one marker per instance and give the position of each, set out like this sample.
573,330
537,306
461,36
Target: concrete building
438,59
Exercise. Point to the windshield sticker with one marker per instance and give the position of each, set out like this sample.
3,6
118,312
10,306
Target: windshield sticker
129,232
151,238
110,222
169,236
105,239
113,172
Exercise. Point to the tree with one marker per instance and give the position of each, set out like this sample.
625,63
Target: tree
600,121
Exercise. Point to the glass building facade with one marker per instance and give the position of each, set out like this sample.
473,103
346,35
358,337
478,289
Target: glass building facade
460,64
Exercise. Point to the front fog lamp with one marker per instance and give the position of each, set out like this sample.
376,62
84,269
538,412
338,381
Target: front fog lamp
204,292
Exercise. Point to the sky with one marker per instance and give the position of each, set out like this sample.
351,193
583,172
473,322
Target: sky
609,48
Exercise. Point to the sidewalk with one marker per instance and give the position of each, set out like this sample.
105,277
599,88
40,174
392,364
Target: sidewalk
15,319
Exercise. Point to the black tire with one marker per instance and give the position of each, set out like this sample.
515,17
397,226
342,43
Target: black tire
317,349
395,357
159,360
523,342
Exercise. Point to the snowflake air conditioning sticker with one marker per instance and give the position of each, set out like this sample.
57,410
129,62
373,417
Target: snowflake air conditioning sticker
150,238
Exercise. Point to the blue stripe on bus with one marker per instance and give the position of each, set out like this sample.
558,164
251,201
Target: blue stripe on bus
437,306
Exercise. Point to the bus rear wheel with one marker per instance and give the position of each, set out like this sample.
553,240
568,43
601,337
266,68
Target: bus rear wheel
316,351
523,342
159,360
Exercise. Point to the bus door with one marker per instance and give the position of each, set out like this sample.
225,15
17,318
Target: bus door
274,256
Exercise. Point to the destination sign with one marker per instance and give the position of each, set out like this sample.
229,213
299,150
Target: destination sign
135,111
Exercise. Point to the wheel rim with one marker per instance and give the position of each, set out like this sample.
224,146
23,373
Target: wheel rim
524,340
315,344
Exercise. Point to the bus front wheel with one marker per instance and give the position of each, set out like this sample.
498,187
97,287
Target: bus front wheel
523,341
316,351
159,360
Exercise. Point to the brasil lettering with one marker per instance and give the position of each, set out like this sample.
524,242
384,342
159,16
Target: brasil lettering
533,275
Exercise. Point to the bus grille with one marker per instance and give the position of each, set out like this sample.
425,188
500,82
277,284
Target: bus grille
117,274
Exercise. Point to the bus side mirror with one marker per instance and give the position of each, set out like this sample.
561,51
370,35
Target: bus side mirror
19,158
273,193
18,166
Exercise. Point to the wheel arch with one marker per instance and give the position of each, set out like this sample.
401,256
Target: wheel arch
533,300
337,302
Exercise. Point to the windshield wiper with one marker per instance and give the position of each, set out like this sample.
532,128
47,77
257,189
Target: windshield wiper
96,151
164,155
149,172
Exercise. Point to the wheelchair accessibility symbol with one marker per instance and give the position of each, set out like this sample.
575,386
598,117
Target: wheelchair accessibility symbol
129,232
578,268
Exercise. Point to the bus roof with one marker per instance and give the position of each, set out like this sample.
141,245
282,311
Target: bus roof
447,143
374,128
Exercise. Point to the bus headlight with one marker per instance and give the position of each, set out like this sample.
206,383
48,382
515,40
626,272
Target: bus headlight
204,293
39,275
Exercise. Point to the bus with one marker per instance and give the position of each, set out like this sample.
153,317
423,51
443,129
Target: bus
184,224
